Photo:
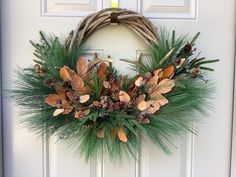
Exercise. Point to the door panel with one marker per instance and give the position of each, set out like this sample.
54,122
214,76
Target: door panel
205,155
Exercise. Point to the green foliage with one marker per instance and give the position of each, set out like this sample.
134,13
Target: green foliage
190,95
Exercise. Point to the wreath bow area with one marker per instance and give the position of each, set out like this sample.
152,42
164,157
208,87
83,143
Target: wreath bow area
103,112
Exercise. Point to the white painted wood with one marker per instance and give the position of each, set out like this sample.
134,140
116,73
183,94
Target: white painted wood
177,9
205,155
70,7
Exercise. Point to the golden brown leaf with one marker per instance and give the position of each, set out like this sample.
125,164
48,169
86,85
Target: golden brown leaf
81,67
67,108
52,99
102,71
65,75
84,98
124,97
121,134
168,72
61,92
77,83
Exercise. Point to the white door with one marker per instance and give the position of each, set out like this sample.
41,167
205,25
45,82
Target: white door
205,155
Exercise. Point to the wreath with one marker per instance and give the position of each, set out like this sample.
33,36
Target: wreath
101,111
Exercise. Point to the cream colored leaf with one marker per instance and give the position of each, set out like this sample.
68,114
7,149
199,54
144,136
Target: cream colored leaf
124,97
182,60
139,81
142,105
58,112
141,98
84,98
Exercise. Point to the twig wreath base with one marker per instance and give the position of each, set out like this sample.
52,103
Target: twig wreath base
102,111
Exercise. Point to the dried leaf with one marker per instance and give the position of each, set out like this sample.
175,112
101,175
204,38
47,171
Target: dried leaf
124,97
77,83
100,133
96,103
58,112
65,75
153,106
106,84
145,121
160,98
67,108
52,100
84,98
102,71
121,134
164,86
141,98
168,72
82,113
195,71
81,67
139,82
86,112
157,72
61,92
142,105
153,81
97,60
181,61
79,114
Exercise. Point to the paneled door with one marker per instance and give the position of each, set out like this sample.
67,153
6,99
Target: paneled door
205,155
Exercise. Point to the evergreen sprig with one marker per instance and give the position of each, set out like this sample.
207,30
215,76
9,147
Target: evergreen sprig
191,94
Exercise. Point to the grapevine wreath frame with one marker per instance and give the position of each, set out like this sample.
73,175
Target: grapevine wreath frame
103,112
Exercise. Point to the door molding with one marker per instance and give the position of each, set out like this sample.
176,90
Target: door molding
233,131
1,117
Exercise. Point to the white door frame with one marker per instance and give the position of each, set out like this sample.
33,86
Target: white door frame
233,132
1,117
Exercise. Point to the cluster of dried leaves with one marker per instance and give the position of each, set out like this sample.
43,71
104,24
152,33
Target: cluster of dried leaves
76,92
